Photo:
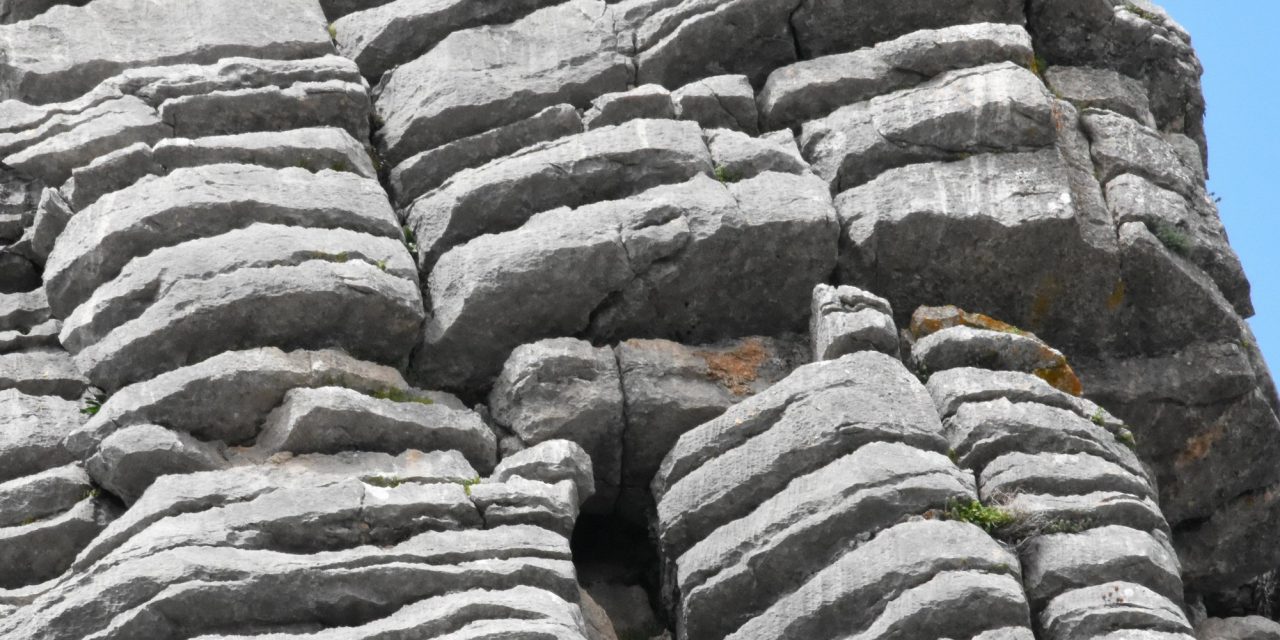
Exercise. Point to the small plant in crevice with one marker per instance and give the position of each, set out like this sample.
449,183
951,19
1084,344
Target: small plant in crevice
1099,418
381,264
991,519
1140,12
92,492
400,395
467,484
1125,437
1173,238
1038,65
410,240
724,175
93,404
333,31
386,482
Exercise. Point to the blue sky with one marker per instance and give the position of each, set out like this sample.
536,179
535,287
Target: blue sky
1234,41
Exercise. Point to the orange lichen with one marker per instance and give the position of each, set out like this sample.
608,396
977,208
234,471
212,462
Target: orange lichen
1197,447
929,320
736,369
1117,296
1062,377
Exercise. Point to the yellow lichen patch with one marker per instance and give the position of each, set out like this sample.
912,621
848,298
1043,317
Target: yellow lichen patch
736,369
1197,447
1117,296
1062,378
930,320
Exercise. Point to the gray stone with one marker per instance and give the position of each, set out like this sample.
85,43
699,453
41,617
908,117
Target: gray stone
17,273
32,430
429,169
608,163
957,347
851,594
1192,227
669,389
1039,514
41,336
833,26
1122,145
18,10
550,461
518,501
202,202
982,431
390,34
719,102
42,550
148,279
65,51
1097,609
334,9
811,89
481,79
946,604
738,156
646,101
1054,564
51,218
46,372
847,319
668,262
313,148
954,388
1242,628
227,396
111,172
1106,89
331,103
22,311
693,39
159,84
38,496
744,566
333,419
998,107
1010,217
114,125
1057,473
724,469
129,460
33,125
370,314
565,389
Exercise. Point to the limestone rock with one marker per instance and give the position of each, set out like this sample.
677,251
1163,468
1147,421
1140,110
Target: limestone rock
46,372
719,102
551,461
94,42
1096,609
689,40
34,428
1106,89
832,26
1243,628
43,549
312,148
737,156
847,319
109,172
129,460
646,101
1122,145
38,496
41,336
565,389
114,125
23,310
336,103
963,346
1055,564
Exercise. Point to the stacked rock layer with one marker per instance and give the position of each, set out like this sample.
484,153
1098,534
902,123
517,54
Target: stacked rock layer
323,318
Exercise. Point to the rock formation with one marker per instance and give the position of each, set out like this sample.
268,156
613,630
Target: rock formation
611,319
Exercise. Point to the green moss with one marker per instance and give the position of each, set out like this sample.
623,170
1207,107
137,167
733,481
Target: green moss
330,257
1140,12
467,484
92,492
410,240
1099,418
955,457
387,482
991,519
400,395
382,265
723,174
1038,65
1173,238
340,165
333,31
1125,437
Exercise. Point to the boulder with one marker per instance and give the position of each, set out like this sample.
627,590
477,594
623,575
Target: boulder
44,372
646,101
689,40
331,103
113,125
719,102
1122,145
847,319
738,156
1055,564
32,432
565,389
110,172
51,218
481,79
1106,89
551,461
1092,611
38,496
41,550
1013,350
129,460
65,51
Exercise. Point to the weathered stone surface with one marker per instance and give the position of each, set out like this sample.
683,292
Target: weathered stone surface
1094,610
608,163
429,169
18,10
744,566
1122,145
303,104
668,262
333,419
17,273
1242,628
227,396
831,26
1087,88
148,279
814,88
862,585
982,431
954,388
41,336
846,319
114,125
66,50
202,202
51,218
1057,563
312,148
719,102
1038,513
725,468
46,372
551,461
689,40
480,79
129,460
42,550
110,172
519,501
385,36
647,101
738,156
957,347
35,497
565,389
1020,217
946,604
23,310
369,313
1058,473
999,107
32,429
